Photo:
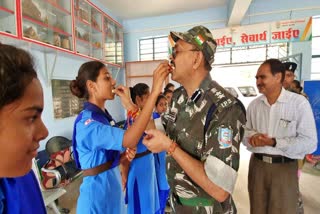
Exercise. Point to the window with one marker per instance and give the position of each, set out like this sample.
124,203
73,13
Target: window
277,51
248,91
232,91
222,56
250,54
315,65
153,48
315,62
113,52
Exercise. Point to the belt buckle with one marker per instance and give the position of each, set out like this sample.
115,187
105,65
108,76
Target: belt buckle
267,159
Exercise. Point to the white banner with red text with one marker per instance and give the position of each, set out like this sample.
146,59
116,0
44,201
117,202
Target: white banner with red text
298,30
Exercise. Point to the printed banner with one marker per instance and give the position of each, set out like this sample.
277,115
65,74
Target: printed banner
258,34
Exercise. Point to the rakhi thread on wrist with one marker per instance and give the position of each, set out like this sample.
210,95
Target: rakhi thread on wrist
131,116
172,148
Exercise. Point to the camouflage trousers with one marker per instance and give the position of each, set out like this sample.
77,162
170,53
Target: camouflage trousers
178,208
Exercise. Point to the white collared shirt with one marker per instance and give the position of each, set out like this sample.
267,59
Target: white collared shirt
290,120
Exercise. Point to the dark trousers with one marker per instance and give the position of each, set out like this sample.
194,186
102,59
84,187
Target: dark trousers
273,188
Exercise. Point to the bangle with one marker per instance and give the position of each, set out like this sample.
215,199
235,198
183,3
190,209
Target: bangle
172,148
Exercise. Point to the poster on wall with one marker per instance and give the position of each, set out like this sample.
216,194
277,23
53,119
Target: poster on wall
298,30
312,89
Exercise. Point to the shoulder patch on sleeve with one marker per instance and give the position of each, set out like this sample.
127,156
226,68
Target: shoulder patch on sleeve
225,137
88,121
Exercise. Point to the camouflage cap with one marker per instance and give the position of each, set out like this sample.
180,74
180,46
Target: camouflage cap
201,37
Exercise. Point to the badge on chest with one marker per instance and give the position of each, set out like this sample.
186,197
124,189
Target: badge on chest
172,116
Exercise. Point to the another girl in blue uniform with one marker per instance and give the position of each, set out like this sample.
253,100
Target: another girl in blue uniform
142,188
21,129
97,142
161,106
160,158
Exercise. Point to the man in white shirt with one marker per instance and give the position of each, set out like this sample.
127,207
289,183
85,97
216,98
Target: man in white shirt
280,129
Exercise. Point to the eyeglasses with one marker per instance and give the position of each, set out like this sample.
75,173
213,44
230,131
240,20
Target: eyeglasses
175,52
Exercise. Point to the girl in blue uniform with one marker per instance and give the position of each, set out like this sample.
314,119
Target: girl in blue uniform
161,106
98,143
160,158
21,129
142,188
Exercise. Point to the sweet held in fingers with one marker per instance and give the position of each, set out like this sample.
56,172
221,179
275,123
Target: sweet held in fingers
148,136
170,67
117,89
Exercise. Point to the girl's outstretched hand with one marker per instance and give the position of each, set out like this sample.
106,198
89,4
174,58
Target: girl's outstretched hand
124,93
159,76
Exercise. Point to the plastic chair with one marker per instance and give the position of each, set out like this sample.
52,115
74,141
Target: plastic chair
49,196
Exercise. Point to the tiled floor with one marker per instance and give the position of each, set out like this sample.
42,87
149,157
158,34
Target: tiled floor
309,186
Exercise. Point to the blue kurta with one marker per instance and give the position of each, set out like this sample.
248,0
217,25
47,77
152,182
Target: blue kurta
142,188
21,195
95,142
160,165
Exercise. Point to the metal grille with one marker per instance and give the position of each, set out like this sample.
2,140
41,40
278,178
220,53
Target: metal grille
153,48
250,54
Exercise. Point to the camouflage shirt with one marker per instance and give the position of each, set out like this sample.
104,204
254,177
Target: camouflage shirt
218,148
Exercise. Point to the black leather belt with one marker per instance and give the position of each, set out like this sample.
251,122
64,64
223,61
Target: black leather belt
142,154
270,159
98,169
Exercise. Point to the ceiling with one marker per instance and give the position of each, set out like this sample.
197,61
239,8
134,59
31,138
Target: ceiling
128,9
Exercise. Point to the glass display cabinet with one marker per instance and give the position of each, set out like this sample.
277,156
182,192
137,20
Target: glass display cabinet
88,33
8,24
113,42
48,21
76,27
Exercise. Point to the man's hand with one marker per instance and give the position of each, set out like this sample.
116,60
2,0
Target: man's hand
261,140
156,141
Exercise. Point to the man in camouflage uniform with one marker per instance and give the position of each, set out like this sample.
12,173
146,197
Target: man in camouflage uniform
289,74
206,122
